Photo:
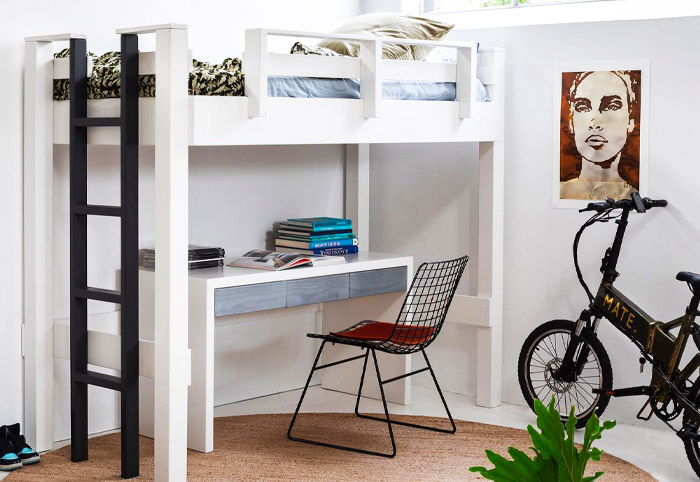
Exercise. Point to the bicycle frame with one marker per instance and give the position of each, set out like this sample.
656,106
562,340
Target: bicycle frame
654,339
652,336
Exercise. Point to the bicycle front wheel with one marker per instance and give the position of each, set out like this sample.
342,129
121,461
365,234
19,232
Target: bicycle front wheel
542,355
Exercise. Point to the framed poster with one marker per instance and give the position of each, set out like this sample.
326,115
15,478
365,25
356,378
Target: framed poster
600,131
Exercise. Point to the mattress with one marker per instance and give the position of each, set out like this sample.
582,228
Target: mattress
308,87
302,87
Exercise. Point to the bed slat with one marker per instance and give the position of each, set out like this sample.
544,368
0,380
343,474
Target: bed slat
371,77
255,69
147,65
466,80
419,71
314,66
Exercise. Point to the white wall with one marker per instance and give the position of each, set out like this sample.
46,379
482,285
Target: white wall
572,12
423,202
540,282
293,181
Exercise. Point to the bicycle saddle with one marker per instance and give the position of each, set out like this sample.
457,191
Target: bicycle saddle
691,278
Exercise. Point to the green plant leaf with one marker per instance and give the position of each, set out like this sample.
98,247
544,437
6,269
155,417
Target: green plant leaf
521,469
593,477
557,459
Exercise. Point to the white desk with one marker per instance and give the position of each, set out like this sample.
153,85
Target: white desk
367,286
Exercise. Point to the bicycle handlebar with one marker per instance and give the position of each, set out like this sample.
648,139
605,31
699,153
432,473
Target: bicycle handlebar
610,204
655,203
635,201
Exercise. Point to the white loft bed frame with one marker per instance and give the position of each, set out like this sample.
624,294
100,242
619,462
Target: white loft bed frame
173,121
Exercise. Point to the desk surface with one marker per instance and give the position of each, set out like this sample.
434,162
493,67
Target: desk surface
363,261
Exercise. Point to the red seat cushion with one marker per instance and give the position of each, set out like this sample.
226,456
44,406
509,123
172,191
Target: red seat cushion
380,331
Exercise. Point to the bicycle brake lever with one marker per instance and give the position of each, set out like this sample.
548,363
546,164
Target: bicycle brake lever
638,203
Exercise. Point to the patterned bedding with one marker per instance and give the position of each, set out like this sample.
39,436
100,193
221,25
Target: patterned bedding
227,79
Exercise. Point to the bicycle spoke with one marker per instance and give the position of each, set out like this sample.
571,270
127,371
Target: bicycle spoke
544,363
546,348
583,394
554,347
538,394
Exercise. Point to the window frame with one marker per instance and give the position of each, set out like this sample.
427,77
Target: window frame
515,4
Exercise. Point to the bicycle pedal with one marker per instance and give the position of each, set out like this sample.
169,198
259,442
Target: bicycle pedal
687,432
646,418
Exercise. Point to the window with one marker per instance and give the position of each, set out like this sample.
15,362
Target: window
430,6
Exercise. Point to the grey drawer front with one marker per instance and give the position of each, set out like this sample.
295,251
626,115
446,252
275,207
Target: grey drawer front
378,281
245,299
318,290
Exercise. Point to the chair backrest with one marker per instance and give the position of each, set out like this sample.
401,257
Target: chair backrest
426,304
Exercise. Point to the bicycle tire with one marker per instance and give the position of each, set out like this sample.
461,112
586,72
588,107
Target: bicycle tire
692,448
605,372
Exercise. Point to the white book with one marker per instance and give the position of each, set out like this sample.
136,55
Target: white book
275,261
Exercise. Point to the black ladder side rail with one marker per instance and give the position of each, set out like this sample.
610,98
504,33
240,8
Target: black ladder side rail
128,382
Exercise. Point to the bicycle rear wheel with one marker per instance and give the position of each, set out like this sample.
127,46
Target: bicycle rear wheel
692,446
541,357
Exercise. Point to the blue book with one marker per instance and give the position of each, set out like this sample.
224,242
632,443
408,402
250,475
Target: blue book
285,230
337,243
325,237
320,224
322,251
322,229
336,251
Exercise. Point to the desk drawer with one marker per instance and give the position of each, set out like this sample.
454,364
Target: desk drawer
245,299
378,281
318,290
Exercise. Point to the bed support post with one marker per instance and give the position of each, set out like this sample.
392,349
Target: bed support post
172,355
171,287
37,333
357,191
490,273
490,260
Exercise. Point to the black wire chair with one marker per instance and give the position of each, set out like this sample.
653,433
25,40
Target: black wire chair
420,320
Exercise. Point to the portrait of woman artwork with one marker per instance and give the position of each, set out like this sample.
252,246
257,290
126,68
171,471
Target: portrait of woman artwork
599,142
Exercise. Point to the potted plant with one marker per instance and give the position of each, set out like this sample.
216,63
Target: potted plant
556,458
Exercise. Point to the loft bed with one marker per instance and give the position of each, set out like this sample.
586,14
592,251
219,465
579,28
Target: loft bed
173,121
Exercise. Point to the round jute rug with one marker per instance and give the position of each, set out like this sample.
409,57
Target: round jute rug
256,447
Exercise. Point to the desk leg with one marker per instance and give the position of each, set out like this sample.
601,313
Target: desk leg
200,399
338,315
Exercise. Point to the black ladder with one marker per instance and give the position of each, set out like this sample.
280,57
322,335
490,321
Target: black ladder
128,296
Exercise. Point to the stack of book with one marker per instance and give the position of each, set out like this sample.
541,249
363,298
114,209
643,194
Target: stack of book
324,236
197,257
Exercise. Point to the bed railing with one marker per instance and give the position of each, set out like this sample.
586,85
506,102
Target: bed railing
369,67
259,63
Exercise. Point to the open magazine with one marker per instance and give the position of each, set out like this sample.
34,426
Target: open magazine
273,261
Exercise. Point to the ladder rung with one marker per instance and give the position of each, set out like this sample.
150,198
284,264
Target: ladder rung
99,379
98,210
97,121
98,294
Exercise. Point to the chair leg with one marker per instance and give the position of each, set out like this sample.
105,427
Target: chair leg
442,397
407,424
386,409
341,447
359,390
306,387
